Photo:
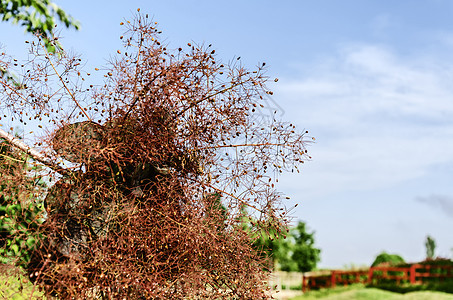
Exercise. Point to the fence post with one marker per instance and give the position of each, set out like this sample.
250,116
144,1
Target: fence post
370,274
412,273
333,279
304,283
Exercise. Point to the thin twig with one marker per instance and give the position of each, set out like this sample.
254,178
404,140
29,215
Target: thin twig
193,104
66,87
241,145
142,93
12,158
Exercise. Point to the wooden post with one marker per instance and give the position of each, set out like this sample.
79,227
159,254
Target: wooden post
412,273
333,279
370,275
304,283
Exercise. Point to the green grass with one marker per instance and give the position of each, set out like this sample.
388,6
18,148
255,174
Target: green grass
322,293
360,293
17,287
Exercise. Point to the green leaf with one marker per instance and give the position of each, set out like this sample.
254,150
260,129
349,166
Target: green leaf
7,16
31,242
15,248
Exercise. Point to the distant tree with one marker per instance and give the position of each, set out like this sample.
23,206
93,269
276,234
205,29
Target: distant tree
293,253
430,245
275,248
305,255
384,257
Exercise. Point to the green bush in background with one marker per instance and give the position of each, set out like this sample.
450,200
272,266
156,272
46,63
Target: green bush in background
20,212
429,284
295,252
384,257
446,287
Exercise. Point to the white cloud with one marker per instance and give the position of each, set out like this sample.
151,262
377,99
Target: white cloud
442,202
380,118
373,79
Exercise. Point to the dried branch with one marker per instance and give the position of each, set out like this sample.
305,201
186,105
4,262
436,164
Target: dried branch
35,154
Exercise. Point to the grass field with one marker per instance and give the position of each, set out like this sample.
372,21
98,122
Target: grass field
373,294
17,288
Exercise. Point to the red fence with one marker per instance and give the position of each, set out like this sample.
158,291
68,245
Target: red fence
414,274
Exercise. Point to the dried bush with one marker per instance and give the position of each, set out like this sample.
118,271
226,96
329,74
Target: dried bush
156,171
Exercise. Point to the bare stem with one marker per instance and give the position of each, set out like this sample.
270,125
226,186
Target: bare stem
65,86
193,104
35,154
241,145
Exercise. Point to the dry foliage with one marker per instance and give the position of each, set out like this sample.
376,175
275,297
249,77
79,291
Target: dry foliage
158,170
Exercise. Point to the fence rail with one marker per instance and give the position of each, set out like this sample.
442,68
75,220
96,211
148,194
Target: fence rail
414,274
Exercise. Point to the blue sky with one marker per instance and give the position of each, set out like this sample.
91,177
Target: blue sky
371,80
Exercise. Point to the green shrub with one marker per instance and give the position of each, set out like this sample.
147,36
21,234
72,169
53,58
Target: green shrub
384,257
20,210
446,287
18,232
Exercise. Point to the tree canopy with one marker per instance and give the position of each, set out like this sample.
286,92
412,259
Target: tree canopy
295,251
37,16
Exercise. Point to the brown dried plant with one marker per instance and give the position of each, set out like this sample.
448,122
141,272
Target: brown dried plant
158,169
